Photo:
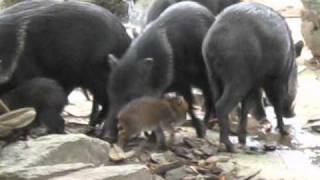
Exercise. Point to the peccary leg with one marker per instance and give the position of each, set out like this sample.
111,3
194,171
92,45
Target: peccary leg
258,110
161,143
209,105
246,104
172,135
110,130
275,93
226,103
196,122
52,119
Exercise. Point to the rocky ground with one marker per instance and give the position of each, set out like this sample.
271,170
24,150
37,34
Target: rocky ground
267,155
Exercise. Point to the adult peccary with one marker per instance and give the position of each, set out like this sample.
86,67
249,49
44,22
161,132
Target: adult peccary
158,6
68,42
166,56
46,96
247,48
32,5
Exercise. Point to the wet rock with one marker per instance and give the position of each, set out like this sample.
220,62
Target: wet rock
123,172
55,149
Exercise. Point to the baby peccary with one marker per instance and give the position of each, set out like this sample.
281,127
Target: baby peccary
46,96
151,114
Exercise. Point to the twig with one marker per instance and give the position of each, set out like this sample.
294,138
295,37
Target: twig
253,175
4,107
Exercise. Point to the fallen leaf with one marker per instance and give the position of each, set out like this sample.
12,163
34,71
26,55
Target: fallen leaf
189,142
209,150
116,154
163,168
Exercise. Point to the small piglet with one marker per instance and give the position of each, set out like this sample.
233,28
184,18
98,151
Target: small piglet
151,114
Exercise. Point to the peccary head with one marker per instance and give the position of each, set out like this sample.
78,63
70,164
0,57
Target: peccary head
179,106
146,69
289,105
126,82
129,81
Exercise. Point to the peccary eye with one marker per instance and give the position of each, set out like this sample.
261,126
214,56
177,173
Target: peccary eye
179,100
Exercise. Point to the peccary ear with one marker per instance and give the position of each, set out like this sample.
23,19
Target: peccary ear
113,61
298,48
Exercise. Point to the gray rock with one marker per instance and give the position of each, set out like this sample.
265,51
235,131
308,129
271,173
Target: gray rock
124,172
55,149
41,172
175,174
78,171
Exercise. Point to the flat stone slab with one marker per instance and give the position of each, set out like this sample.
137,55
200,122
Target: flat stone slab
55,149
